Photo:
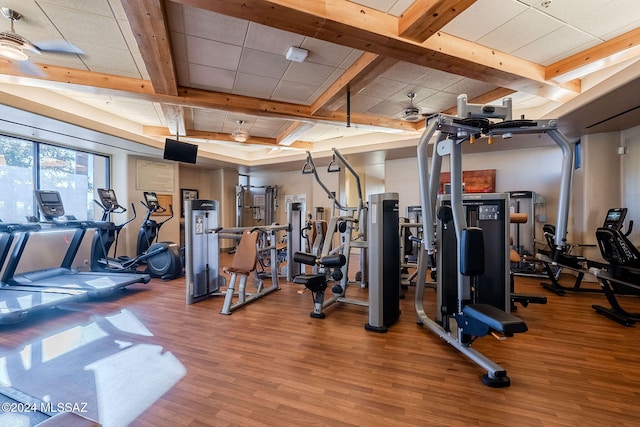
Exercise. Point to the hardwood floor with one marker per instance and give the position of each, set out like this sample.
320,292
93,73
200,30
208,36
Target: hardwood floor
270,364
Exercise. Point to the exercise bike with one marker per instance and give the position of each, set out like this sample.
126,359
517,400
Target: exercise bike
161,259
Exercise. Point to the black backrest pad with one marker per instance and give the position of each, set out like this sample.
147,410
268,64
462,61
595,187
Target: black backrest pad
472,251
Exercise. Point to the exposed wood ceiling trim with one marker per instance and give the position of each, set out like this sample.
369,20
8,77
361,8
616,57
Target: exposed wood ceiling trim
360,67
157,131
424,18
359,81
107,84
148,23
290,135
56,77
352,25
596,53
174,116
265,108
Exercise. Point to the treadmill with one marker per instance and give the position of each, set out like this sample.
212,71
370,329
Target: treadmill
18,302
44,258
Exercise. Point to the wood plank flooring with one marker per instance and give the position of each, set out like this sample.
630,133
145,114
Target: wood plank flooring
270,364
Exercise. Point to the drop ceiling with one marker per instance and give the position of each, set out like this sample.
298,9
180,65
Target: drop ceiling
192,68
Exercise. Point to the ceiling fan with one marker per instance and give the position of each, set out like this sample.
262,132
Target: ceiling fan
15,47
411,113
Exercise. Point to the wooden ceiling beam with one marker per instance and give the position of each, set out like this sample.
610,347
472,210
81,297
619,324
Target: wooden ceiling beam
590,57
358,77
361,67
126,87
148,22
149,25
174,117
349,24
425,18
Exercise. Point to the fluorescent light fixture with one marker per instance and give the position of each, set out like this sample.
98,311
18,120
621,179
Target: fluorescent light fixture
296,54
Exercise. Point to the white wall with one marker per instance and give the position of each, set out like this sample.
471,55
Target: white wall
631,180
600,188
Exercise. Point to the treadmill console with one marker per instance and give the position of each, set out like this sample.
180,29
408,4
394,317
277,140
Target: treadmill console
615,218
50,204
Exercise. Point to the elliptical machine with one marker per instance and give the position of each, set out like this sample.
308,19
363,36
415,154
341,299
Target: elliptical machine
162,259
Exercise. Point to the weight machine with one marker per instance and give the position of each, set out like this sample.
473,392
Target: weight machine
351,224
472,317
202,256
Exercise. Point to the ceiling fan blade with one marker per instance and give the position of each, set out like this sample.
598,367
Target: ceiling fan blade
58,46
28,67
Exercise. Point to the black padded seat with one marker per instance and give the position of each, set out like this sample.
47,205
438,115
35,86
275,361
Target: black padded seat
313,282
495,318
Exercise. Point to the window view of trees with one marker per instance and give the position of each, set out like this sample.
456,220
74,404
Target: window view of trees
73,173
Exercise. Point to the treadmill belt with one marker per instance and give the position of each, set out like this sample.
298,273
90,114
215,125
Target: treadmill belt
16,302
94,283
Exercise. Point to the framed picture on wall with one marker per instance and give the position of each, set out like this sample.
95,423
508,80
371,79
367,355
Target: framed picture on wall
187,194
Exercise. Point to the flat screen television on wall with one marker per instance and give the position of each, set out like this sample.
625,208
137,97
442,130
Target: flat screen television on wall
180,151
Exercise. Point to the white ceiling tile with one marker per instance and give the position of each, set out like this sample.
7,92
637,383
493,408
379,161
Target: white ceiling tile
307,73
118,10
142,108
263,64
572,11
335,74
482,17
360,102
471,88
349,60
212,53
391,109
71,61
439,101
405,72
400,7
133,75
436,79
204,77
179,46
254,86
144,119
272,40
381,5
128,35
292,92
117,60
89,28
558,44
208,116
182,70
519,31
175,17
608,18
420,93
383,88
325,53
100,7
271,125
213,26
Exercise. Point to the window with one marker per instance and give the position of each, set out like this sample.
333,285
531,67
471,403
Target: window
27,165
